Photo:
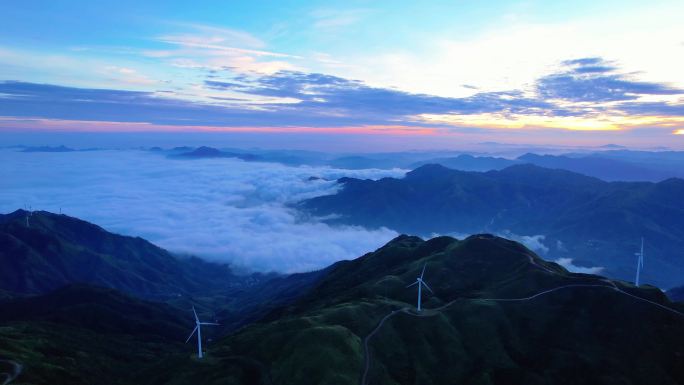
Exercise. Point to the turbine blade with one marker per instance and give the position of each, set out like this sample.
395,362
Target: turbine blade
412,284
191,334
423,272
427,287
193,310
208,323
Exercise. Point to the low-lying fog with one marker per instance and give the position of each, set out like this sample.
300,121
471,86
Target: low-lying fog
220,209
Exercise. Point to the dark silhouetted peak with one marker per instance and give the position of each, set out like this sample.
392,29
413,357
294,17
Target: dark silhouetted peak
527,168
205,151
531,156
429,171
435,245
210,152
405,239
482,236
346,179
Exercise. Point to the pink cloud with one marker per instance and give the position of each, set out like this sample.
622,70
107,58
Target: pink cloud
37,124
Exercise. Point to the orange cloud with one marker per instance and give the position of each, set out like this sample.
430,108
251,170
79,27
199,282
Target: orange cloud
12,123
575,123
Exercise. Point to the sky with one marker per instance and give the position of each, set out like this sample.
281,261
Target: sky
407,74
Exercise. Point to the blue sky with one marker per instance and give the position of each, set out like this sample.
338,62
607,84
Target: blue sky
590,72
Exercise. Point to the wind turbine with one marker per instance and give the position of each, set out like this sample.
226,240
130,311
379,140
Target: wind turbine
199,333
640,262
28,214
420,283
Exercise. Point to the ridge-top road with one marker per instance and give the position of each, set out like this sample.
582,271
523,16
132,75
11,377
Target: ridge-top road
435,311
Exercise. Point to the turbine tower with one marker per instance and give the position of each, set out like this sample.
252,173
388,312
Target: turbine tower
199,333
640,263
420,283
28,214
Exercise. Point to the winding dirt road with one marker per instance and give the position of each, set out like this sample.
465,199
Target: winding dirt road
435,311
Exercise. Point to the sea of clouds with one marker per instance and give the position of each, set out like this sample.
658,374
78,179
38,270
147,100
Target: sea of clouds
220,209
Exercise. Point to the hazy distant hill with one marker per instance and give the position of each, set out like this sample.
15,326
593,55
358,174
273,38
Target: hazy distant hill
563,330
470,163
61,148
584,218
210,152
601,167
626,166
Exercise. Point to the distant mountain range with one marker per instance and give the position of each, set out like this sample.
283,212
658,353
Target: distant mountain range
497,313
612,163
61,148
606,165
467,162
594,222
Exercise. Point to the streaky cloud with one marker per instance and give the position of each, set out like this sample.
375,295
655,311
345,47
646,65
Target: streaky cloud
592,80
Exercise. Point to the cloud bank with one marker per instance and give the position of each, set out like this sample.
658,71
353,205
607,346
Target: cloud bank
582,94
568,265
219,209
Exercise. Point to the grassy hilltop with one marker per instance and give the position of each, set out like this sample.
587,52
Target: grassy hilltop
576,334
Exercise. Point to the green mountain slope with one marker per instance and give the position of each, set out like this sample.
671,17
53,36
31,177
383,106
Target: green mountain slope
58,250
55,250
499,315
87,335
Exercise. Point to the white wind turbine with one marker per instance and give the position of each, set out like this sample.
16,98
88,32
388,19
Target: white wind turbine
420,283
640,263
198,329
28,214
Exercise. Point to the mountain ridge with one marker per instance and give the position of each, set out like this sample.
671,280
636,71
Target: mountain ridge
56,249
580,217
491,320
